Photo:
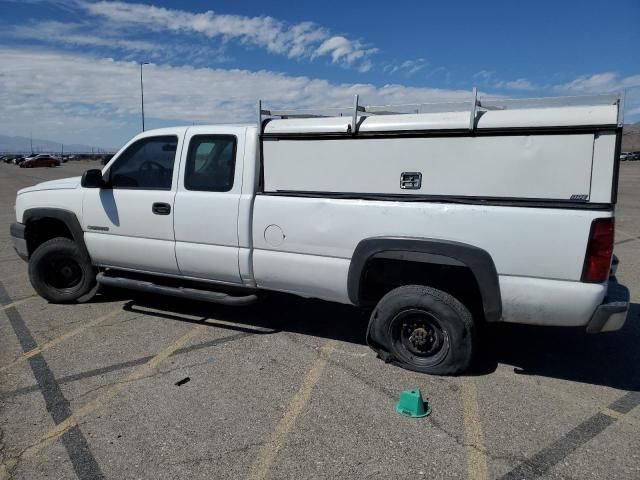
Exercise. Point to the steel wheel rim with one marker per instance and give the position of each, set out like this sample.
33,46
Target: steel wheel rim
419,337
62,273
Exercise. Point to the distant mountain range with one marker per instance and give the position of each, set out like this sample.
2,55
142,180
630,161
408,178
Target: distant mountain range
23,145
631,138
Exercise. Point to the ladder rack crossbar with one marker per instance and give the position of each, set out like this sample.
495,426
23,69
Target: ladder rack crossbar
474,105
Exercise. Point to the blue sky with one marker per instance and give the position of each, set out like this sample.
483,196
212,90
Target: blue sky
68,68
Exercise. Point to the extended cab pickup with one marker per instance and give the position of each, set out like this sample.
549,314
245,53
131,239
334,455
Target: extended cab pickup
439,221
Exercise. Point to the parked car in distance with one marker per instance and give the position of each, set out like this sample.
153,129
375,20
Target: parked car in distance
22,158
40,161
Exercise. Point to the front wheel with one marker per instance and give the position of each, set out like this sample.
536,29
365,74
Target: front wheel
60,272
422,329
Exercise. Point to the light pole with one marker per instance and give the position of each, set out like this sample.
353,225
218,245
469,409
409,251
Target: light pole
142,92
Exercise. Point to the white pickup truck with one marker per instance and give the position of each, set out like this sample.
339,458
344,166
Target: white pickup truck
439,218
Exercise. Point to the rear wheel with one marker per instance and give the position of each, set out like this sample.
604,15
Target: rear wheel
61,272
423,329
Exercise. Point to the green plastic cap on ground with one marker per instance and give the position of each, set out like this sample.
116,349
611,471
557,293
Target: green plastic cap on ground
412,405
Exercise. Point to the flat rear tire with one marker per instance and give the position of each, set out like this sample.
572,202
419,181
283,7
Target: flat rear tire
423,329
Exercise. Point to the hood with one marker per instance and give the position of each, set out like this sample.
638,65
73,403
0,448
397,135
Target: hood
61,184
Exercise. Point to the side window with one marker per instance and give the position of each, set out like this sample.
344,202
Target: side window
147,164
211,163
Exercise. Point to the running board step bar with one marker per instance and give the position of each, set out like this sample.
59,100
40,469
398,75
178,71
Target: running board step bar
181,292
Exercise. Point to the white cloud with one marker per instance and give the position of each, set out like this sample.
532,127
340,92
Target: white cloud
484,75
78,34
408,67
75,34
488,78
341,48
301,40
600,83
78,98
520,84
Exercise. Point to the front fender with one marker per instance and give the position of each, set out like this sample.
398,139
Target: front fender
67,217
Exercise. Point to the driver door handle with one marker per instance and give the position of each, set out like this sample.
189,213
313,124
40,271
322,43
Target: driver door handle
161,208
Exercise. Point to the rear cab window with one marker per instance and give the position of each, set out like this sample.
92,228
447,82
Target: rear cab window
211,162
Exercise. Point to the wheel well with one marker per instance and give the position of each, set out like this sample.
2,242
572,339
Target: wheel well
40,230
381,275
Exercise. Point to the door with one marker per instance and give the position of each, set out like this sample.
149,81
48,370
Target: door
207,202
129,223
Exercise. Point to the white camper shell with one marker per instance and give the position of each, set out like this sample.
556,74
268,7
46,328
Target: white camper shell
538,151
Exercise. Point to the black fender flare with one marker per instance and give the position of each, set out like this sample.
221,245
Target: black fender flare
430,250
65,216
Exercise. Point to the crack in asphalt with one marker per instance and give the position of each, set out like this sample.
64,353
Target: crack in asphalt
215,458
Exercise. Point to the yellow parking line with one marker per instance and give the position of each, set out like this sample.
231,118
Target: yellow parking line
99,401
61,338
18,302
474,445
270,449
612,413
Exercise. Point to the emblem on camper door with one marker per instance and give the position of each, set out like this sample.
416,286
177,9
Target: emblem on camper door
411,180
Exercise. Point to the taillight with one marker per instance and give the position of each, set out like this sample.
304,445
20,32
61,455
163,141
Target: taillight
597,263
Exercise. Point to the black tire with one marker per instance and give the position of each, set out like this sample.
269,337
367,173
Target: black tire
61,272
422,329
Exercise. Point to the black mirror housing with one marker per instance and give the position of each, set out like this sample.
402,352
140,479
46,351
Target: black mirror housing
92,179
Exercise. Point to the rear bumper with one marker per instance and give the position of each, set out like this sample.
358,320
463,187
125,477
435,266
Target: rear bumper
612,313
19,242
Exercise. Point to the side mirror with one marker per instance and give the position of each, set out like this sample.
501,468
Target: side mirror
92,179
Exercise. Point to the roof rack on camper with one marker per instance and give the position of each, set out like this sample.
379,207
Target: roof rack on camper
449,115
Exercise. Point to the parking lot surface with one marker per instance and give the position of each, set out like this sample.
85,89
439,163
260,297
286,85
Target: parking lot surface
133,386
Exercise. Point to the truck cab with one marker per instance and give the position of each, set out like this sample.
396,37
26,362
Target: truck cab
148,214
